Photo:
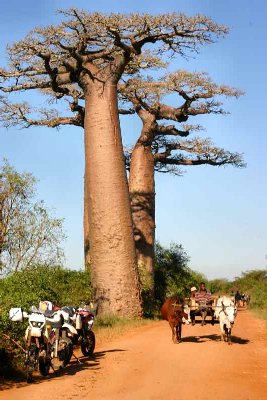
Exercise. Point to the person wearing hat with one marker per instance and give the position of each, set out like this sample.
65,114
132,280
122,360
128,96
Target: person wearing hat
193,304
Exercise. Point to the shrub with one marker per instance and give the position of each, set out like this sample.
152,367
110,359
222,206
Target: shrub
172,274
220,286
254,283
28,287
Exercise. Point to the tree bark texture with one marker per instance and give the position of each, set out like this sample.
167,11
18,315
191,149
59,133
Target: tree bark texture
112,250
142,194
87,260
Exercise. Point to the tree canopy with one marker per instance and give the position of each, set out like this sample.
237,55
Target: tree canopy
57,60
193,94
29,235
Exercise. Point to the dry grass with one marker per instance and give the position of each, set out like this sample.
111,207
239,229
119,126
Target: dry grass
260,314
111,327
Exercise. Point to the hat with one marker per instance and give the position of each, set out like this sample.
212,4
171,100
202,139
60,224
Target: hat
193,289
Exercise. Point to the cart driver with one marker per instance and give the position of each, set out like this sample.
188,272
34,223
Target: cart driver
203,299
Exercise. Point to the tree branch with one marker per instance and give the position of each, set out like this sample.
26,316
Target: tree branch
204,153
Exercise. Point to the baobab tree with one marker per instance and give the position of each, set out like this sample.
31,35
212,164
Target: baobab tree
156,150
88,53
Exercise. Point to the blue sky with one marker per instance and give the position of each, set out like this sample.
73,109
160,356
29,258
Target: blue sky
219,215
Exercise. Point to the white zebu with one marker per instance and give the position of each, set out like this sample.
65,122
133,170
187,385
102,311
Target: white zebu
225,312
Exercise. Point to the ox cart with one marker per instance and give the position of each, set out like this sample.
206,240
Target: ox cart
202,310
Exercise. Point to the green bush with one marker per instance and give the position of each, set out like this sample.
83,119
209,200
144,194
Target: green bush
255,284
28,287
220,286
172,274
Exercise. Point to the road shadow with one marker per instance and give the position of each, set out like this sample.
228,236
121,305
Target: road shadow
101,354
238,340
208,321
201,339
76,365
83,363
215,338
14,382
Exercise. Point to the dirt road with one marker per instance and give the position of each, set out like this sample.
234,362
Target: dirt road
145,364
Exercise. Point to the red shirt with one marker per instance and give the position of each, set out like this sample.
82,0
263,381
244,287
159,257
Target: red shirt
202,297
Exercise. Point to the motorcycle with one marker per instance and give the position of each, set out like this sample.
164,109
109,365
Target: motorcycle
37,352
83,320
47,344
59,332
84,326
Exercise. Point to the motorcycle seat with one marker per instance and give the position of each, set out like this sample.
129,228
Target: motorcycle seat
49,313
69,310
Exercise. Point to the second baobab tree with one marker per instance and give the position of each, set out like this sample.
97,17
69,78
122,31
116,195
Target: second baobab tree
161,146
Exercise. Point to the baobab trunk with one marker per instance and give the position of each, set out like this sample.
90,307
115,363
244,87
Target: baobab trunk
142,194
112,250
87,260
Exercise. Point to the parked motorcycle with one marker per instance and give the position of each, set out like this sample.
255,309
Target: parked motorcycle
37,352
60,331
84,326
46,338
83,320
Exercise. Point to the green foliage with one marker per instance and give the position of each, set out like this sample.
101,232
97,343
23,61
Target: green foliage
197,277
28,287
252,282
29,235
147,285
15,185
172,274
255,284
220,286
174,277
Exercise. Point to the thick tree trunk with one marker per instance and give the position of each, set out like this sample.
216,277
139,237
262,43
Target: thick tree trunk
87,260
112,250
142,194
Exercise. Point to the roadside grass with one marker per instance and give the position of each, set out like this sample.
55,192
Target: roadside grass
260,313
111,327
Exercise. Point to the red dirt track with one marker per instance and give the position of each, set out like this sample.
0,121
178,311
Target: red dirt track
145,364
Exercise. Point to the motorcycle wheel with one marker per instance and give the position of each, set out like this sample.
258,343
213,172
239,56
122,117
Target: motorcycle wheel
88,344
44,366
31,361
67,350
